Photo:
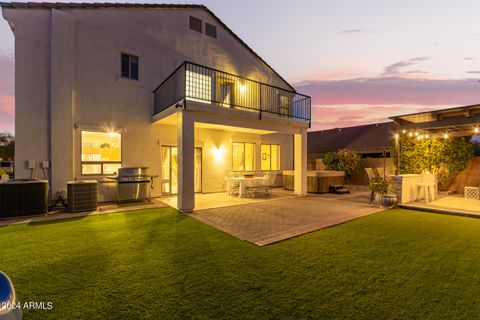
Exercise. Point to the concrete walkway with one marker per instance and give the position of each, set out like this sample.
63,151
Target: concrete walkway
276,220
103,208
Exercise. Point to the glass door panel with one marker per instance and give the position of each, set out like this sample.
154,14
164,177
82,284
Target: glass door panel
170,170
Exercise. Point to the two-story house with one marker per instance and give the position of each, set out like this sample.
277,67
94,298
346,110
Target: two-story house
169,87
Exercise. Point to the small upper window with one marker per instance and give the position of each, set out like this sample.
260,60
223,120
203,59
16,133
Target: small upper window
210,30
196,24
129,66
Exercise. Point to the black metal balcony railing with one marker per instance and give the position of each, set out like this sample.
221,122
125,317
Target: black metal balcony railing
193,82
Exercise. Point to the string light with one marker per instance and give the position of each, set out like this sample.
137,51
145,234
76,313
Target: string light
410,134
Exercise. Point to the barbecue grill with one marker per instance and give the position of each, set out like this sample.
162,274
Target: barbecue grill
133,184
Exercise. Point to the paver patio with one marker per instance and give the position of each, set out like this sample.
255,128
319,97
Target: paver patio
268,222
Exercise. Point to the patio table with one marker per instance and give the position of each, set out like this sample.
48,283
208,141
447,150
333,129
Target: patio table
243,182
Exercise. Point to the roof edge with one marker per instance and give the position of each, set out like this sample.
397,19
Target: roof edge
72,5
357,126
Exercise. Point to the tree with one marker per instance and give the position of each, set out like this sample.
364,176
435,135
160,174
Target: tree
7,146
446,157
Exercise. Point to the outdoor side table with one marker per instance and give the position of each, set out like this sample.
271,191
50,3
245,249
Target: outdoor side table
472,193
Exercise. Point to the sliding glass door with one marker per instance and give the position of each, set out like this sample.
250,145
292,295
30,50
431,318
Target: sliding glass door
170,170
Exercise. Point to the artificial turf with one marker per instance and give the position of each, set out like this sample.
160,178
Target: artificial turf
160,264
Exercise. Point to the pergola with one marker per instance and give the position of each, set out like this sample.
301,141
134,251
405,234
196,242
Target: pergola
453,122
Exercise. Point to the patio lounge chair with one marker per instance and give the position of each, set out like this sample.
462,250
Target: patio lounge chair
382,174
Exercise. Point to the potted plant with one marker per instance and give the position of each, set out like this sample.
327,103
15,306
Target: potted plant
380,188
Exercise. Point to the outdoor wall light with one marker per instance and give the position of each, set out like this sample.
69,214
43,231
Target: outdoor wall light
476,130
218,153
243,88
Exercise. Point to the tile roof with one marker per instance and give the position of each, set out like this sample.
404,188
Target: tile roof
83,5
370,137
65,5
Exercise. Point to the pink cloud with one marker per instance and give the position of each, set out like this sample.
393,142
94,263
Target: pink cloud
338,116
392,90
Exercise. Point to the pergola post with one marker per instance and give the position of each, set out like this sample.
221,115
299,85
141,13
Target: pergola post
397,154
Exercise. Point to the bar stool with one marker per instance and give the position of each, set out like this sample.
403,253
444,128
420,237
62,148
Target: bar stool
429,190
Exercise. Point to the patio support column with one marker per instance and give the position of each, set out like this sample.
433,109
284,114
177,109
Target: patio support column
185,143
300,162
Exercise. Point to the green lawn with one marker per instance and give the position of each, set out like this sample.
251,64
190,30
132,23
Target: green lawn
158,264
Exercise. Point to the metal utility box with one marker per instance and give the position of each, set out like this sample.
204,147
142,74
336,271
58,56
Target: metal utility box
82,196
23,197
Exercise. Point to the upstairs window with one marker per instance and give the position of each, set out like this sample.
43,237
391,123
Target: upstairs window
129,66
210,30
196,24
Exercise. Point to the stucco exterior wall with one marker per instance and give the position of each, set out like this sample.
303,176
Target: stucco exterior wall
68,79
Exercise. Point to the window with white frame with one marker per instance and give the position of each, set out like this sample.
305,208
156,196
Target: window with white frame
101,152
243,156
270,157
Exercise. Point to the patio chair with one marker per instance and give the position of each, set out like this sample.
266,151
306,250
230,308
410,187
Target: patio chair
253,187
268,181
232,184
382,174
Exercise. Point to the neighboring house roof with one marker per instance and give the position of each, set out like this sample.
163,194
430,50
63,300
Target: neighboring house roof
368,138
71,5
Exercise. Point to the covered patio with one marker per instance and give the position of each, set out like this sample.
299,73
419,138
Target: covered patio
218,135
223,199
421,191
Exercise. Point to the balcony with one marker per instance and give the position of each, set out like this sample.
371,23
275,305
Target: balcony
196,83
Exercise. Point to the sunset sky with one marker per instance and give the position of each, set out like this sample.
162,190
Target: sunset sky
361,61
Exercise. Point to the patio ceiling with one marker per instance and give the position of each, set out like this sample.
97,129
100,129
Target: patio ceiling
459,121
172,121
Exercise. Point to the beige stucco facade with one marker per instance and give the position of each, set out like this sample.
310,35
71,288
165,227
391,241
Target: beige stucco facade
68,79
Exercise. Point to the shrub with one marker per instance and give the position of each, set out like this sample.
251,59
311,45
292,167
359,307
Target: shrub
343,160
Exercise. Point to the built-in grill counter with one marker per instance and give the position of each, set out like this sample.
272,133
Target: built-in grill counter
133,184
318,181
